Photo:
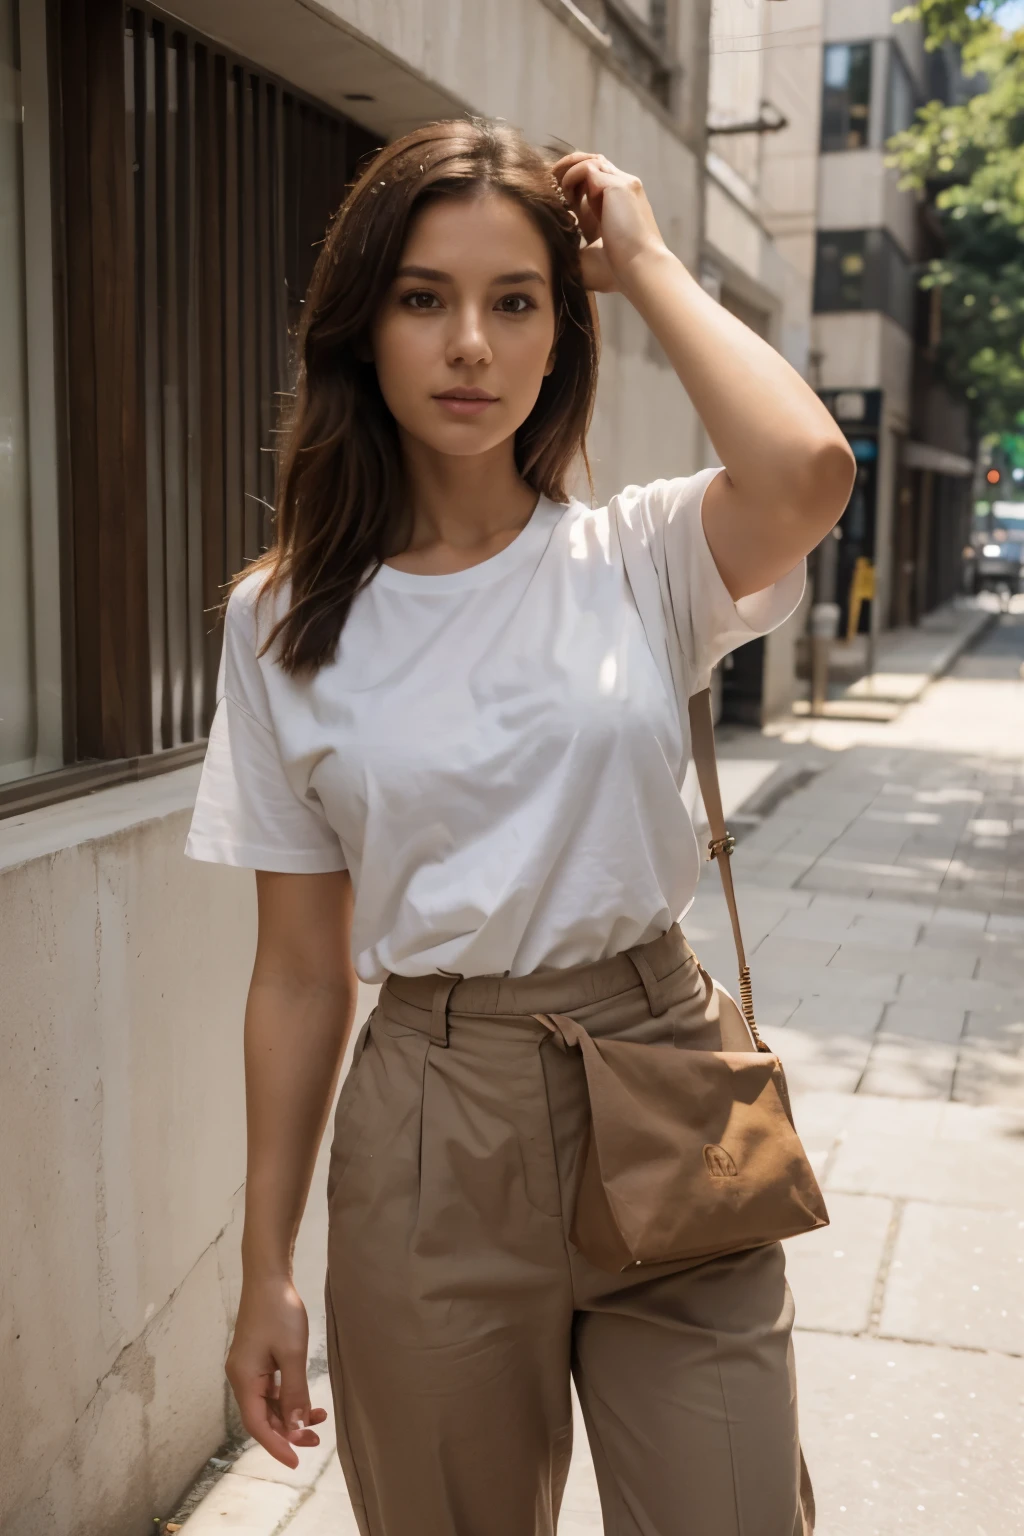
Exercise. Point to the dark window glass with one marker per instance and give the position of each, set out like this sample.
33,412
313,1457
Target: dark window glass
940,80
841,270
902,102
846,104
864,269
897,286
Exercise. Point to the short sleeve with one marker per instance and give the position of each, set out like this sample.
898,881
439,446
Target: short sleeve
707,622
248,813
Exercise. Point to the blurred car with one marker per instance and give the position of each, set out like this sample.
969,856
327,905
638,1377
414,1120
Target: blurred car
995,554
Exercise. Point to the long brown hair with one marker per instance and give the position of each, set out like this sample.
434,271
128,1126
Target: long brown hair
341,504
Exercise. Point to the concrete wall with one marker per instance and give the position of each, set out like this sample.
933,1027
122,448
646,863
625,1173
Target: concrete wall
850,21
866,351
124,972
857,192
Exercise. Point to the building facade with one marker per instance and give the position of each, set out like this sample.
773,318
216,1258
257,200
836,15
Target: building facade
165,175
847,79
747,268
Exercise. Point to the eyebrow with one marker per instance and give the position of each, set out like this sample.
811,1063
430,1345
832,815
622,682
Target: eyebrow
431,275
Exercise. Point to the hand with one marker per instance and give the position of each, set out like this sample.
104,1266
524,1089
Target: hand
615,217
272,1334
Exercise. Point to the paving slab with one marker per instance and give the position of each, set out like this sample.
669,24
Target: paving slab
984,1174
950,927
907,959
975,1122
243,1506
798,955
997,1029
327,1512
832,1272
998,922
826,982
911,1438
871,1115
1005,968
959,991
986,1075
883,932
837,1016
957,1277
815,923
333,1478
909,1068
923,1021
818,1060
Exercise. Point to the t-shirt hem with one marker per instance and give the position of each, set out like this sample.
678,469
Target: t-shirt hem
273,860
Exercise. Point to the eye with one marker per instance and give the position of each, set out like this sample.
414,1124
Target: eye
420,299
515,304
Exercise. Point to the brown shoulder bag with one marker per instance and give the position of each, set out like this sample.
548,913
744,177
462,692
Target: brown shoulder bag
691,1153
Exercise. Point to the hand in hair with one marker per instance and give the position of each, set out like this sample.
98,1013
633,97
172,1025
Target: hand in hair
614,215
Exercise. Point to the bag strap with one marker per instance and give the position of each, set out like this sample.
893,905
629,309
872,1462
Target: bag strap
702,740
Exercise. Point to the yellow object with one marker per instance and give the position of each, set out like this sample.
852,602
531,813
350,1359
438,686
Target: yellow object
862,589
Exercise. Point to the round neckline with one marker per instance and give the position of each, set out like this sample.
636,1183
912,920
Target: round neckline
532,534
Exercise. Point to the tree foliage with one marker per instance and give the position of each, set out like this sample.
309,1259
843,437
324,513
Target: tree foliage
969,157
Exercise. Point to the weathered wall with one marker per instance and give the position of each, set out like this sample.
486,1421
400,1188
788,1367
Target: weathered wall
124,968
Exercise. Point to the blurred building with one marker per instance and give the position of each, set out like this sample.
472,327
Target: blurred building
847,79
754,275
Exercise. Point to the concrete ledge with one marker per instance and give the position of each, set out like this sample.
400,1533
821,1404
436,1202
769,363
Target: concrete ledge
90,818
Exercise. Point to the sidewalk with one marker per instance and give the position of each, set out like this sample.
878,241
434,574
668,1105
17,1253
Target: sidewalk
882,894
907,660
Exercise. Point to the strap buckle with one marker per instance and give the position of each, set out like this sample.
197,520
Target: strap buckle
726,845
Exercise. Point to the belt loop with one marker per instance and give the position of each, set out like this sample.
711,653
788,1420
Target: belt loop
443,988
656,999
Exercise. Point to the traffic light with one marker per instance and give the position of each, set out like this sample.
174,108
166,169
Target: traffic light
993,476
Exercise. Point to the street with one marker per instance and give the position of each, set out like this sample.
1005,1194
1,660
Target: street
882,896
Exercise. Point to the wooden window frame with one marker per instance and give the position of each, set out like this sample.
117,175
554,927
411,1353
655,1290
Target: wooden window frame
138,679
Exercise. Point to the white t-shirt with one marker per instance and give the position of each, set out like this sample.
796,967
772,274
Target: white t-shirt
496,755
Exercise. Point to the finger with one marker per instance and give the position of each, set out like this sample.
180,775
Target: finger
587,176
293,1400
560,167
261,1422
596,273
588,221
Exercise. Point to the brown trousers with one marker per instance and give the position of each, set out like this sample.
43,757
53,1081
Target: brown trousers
457,1306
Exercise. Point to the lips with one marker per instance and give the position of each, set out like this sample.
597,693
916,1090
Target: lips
465,402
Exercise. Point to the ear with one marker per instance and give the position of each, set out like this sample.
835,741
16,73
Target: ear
549,366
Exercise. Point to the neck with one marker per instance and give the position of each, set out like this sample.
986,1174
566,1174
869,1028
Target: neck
464,502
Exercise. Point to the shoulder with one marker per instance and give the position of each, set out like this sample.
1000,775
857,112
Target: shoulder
660,499
253,609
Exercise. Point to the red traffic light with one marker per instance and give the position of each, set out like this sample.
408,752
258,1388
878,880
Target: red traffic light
993,477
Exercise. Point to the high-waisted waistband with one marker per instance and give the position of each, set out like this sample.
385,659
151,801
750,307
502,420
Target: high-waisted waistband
427,1002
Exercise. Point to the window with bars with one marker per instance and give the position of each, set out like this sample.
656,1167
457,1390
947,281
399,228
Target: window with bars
192,192
233,179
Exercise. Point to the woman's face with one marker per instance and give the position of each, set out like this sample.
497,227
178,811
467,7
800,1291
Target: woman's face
466,333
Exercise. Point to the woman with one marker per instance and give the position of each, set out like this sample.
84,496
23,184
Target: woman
450,740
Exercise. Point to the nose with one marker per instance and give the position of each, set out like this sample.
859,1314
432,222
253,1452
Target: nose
467,337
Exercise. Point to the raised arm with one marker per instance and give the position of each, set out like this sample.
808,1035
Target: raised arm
788,468
299,1012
